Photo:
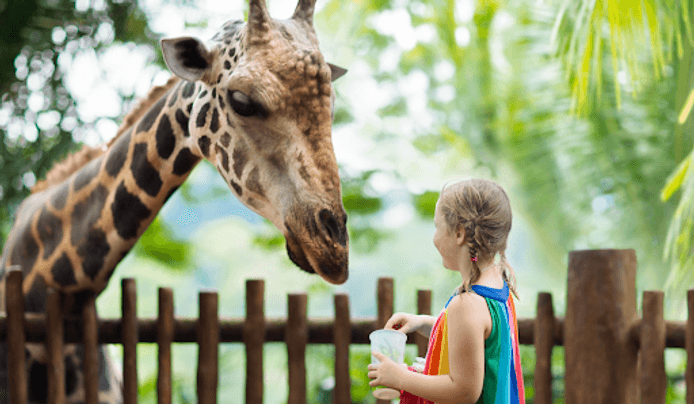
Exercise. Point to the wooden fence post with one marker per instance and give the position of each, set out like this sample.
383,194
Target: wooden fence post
544,342
652,345
384,297
208,348
296,338
14,304
423,307
601,308
254,337
91,356
129,338
165,334
54,348
342,336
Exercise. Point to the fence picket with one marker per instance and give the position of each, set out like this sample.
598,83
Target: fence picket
384,294
544,342
129,339
54,348
342,335
208,348
296,337
14,303
653,378
423,307
165,331
91,361
253,337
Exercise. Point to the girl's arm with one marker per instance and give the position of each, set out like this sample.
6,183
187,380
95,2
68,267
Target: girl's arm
425,329
468,317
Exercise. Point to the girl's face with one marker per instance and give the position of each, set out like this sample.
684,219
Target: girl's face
448,243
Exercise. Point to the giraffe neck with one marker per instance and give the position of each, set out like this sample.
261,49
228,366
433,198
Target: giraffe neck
72,235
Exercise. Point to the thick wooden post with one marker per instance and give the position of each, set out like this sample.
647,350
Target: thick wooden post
601,359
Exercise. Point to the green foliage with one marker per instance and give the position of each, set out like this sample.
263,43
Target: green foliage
425,204
158,243
35,35
578,36
147,390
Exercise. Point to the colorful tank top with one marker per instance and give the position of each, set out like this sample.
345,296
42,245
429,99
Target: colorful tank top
503,377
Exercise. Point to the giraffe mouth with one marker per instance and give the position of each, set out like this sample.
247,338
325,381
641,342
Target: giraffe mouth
328,260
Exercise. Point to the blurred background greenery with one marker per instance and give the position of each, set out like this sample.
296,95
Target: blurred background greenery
580,109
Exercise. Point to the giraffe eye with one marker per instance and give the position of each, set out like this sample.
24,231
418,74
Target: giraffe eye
243,105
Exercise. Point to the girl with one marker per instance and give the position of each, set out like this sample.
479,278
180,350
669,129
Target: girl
473,344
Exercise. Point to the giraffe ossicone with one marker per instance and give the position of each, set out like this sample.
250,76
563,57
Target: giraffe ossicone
258,104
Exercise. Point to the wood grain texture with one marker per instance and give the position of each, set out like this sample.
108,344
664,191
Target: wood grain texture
254,337
297,337
208,348
342,335
600,358
544,342
129,338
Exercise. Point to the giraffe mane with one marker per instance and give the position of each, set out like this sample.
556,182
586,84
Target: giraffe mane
73,162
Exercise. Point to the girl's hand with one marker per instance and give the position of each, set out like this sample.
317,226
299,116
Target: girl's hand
387,373
404,322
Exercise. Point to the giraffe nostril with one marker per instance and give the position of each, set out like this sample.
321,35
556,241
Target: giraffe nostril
332,226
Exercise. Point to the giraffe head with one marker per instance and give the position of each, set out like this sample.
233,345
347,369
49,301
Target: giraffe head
263,116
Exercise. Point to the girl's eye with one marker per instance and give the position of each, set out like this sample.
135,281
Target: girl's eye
243,105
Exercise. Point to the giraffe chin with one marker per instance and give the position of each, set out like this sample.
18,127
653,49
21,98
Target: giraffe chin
333,268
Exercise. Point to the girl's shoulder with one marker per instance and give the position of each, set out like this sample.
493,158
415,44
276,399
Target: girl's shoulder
470,310
468,304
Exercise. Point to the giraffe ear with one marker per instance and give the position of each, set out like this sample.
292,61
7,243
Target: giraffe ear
187,57
336,72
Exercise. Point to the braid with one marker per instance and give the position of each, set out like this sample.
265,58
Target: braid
474,249
473,245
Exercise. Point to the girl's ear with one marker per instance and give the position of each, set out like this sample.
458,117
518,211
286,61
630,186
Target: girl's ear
460,236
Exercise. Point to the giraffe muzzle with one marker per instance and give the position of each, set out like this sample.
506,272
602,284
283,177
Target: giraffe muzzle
321,245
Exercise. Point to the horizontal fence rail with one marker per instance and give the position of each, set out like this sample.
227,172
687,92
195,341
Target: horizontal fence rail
209,330
320,330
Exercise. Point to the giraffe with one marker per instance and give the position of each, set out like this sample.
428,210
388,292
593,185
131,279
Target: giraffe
258,104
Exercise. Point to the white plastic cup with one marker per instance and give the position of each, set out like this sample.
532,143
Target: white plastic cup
390,343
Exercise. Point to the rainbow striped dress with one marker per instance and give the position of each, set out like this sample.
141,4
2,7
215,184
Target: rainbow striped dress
503,377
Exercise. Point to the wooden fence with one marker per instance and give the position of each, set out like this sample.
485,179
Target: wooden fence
605,342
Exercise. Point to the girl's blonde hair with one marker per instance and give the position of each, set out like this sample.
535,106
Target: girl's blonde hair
482,209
